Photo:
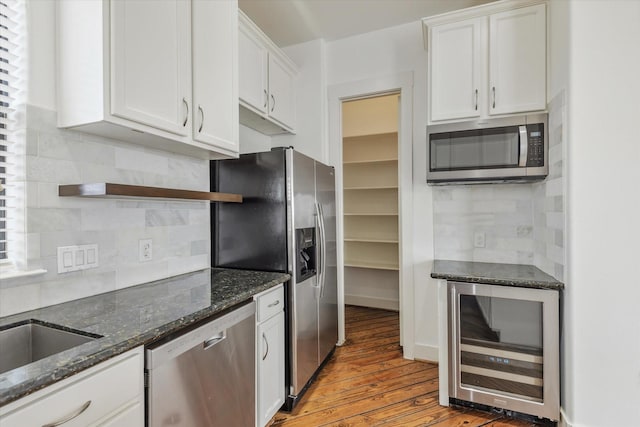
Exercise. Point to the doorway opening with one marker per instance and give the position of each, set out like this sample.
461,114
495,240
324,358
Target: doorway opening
370,212
370,129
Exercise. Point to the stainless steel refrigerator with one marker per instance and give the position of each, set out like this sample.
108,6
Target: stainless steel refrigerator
286,223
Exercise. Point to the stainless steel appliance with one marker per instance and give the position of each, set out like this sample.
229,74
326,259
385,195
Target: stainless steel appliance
503,348
497,150
205,377
286,223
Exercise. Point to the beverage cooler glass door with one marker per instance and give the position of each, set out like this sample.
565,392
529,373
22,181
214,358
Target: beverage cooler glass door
504,347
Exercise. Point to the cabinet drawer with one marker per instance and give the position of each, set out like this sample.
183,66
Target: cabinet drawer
108,386
270,303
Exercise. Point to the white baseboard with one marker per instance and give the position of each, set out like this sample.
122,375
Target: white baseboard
564,420
426,353
364,301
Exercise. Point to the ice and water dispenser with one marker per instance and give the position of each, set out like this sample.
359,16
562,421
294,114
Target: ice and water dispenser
306,253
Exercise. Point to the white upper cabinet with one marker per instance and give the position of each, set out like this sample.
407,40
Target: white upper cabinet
281,92
487,60
253,71
517,58
457,65
215,73
126,71
151,64
267,82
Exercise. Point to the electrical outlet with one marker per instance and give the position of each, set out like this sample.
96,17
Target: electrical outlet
479,240
145,250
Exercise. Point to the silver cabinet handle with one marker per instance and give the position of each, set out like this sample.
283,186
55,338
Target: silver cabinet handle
273,304
273,103
201,117
69,417
186,116
476,99
214,340
266,98
264,337
494,96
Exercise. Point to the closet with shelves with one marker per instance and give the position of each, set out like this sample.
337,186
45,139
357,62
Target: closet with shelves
370,201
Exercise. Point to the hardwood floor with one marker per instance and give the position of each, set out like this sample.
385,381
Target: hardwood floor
368,383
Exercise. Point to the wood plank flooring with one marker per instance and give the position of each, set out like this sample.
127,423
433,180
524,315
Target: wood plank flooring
368,383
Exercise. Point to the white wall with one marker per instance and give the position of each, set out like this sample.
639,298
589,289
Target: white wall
311,101
602,344
42,49
380,53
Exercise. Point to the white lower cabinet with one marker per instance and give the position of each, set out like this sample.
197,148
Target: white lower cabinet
109,394
270,387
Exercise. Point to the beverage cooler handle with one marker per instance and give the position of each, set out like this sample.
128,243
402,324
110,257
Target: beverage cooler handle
524,146
323,248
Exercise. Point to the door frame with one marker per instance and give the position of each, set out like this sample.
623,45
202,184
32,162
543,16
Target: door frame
401,83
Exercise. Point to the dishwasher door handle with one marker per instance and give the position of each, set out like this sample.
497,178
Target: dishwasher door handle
219,337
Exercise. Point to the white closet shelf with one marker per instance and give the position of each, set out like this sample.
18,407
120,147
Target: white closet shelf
374,265
370,214
370,240
378,187
364,162
368,135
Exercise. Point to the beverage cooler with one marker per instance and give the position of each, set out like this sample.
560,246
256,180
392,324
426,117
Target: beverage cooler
503,347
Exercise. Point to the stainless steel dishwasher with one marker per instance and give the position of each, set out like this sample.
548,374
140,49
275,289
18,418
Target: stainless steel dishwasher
205,377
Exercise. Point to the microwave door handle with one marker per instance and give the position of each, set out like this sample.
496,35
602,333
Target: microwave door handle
524,146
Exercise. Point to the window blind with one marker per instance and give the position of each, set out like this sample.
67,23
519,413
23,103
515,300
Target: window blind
10,18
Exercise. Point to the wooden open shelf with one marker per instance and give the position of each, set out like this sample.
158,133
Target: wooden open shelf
109,190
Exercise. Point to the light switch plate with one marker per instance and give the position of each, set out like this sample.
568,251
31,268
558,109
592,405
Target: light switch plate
74,258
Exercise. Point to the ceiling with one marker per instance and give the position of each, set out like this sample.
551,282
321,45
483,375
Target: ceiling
289,22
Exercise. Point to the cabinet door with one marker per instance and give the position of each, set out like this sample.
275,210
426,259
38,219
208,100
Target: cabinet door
517,60
281,93
457,69
252,58
131,417
271,386
215,82
151,63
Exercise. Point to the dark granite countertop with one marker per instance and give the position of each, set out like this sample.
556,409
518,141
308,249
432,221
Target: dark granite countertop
520,275
129,318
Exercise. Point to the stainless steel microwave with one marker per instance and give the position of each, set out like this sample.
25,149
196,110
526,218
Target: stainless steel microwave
510,149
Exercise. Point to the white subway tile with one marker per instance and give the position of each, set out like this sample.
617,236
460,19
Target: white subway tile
18,299
143,161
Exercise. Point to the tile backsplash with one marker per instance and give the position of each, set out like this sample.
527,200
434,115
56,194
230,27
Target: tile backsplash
502,212
179,230
549,199
521,223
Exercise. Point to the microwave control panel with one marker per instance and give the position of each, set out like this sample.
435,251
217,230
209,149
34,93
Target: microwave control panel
535,153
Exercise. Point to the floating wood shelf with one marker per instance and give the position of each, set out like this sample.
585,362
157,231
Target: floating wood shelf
108,190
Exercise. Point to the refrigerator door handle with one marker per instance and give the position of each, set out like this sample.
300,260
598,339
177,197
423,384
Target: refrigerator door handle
319,244
323,249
